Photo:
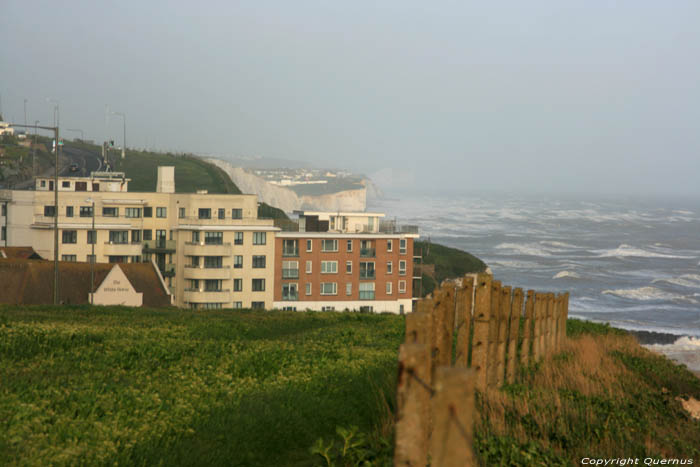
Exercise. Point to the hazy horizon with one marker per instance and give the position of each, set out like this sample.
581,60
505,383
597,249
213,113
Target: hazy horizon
582,97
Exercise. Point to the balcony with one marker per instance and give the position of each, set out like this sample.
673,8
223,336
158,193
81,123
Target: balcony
368,252
290,297
169,270
290,252
122,249
290,273
204,296
195,272
203,249
367,275
366,295
159,245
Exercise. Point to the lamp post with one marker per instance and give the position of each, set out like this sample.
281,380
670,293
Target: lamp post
36,122
92,257
25,112
121,114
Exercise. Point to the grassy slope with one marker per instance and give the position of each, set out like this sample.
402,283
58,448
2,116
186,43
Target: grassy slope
179,388
449,263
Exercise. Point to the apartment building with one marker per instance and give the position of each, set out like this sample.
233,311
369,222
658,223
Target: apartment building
344,261
212,249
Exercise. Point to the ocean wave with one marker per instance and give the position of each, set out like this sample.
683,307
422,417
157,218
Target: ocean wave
625,250
566,275
524,249
685,350
686,280
648,293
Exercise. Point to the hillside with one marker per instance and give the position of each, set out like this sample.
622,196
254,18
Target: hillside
442,262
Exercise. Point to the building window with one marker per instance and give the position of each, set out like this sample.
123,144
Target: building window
222,213
257,305
290,269
147,234
389,267
309,267
402,246
90,259
43,183
348,288
80,186
238,238
85,211
195,236
308,288
367,249
329,245
49,211
135,236
367,270
366,290
238,261
236,213
258,285
290,247
181,213
69,236
69,258
238,285
259,238
349,246
402,286
204,213
327,308
4,210
238,305
119,236
147,211
329,288
3,233
258,261
69,211
212,285
329,267
348,267
402,267
213,262
133,212
65,184
213,238
162,212
390,245
388,288
110,212
290,291
309,246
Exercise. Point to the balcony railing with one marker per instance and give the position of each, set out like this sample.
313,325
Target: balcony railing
293,252
290,273
367,295
290,297
159,244
367,275
368,252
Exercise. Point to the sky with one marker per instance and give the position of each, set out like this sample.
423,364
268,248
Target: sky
538,96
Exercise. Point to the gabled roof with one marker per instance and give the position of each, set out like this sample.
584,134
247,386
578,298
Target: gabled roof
18,252
24,282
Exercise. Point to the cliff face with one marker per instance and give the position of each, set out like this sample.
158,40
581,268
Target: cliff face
286,199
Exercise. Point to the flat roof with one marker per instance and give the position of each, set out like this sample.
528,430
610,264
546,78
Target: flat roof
340,213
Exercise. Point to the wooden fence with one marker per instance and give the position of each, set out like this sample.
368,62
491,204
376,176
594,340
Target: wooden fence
494,332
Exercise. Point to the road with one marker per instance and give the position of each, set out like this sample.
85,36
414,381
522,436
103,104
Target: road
86,160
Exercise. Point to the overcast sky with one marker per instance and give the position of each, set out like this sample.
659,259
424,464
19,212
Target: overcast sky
596,96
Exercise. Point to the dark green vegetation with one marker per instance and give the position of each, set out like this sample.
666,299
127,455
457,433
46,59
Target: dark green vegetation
448,262
16,160
602,396
144,387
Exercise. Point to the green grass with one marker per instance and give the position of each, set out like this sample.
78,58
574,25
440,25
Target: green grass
449,263
81,385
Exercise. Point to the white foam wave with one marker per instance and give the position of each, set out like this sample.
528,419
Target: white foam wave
560,245
685,350
649,293
685,280
625,250
566,275
524,249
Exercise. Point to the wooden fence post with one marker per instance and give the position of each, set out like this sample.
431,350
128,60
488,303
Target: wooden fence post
527,329
558,318
464,301
565,313
494,319
550,322
482,322
418,328
514,328
503,323
451,443
539,315
427,306
445,324
413,401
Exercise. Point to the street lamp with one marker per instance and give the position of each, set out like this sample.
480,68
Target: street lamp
36,122
92,257
120,114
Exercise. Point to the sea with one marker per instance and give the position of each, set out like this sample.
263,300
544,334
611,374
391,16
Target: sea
631,262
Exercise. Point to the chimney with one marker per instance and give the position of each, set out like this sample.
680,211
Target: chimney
166,179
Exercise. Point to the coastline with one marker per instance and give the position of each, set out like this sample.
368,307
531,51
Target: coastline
667,345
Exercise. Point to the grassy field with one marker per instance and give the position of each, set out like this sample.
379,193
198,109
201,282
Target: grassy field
117,385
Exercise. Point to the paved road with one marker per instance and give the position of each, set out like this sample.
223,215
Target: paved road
86,160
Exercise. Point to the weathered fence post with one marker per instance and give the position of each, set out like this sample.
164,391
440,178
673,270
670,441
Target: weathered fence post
482,323
464,301
413,401
427,306
540,310
503,322
451,443
527,329
514,328
565,313
418,328
550,322
445,314
558,307
494,319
